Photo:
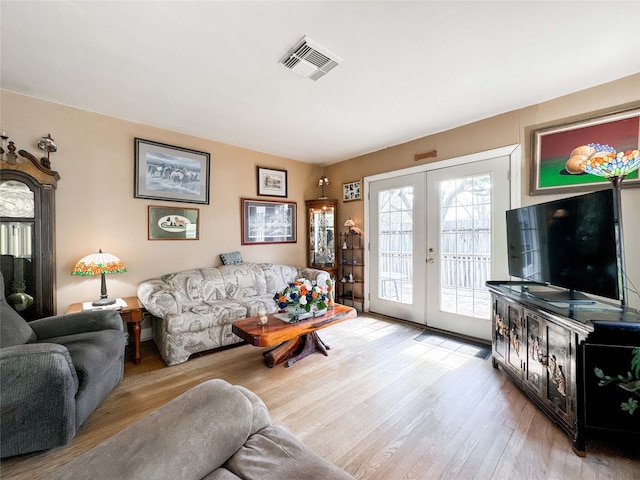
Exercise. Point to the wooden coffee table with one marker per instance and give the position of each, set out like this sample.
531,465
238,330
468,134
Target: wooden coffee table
293,341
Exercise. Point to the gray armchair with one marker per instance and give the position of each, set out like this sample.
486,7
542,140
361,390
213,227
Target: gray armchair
53,373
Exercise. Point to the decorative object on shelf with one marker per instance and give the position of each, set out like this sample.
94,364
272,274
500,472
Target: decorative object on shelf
323,182
100,264
272,182
173,223
19,299
330,294
603,160
165,172
351,191
262,315
4,137
46,144
9,155
268,221
352,228
301,298
552,173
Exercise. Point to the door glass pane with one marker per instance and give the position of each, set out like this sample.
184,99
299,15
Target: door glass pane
395,234
465,245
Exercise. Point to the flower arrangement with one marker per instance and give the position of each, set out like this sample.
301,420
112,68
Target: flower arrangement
301,295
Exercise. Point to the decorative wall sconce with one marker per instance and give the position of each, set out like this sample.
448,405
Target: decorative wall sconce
323,182
46,144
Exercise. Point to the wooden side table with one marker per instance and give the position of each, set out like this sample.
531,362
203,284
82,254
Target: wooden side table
132,315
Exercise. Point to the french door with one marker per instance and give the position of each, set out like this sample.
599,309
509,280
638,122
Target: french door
436,237
398,229
467,244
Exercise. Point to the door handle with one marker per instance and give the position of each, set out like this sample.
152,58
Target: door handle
430,258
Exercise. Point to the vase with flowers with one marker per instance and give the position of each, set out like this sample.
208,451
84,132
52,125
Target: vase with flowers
302,299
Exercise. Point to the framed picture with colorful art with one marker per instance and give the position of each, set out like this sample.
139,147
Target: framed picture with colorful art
551,169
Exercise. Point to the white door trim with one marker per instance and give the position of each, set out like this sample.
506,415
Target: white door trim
515,165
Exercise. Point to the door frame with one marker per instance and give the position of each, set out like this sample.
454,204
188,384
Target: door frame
515,187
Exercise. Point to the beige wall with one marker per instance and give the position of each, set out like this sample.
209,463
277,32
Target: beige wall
507,129
95,207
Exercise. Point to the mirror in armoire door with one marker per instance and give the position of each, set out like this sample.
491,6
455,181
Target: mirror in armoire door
27,230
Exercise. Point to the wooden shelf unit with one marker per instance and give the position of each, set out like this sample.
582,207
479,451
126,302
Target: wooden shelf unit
351,269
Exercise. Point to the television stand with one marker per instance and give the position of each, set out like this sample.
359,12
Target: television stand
560,354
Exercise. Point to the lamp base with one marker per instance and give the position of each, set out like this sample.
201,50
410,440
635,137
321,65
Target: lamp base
103,302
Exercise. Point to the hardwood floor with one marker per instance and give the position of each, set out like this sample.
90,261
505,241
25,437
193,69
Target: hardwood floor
381,406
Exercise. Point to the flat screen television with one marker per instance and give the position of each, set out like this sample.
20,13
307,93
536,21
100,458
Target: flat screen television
569,243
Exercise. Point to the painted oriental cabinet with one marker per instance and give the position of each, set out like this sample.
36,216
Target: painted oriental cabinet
564,357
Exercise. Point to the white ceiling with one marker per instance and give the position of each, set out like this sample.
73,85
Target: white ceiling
410,69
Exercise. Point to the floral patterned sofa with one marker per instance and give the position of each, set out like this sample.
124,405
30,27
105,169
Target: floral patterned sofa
195,308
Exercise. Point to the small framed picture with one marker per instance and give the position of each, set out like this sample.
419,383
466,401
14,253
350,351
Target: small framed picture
272,182
268,221
165,172
351,191
174,223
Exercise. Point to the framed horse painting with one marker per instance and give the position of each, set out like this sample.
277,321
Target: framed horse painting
166,172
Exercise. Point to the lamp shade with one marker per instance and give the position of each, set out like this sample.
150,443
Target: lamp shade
98,263
323,181
349,223
602,160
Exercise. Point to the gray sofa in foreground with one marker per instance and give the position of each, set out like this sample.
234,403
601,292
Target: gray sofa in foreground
53,373
214,431
195,308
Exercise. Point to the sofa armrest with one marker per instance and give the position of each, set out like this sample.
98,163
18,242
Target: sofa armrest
72,323
37,405
198,431
158,298
315,275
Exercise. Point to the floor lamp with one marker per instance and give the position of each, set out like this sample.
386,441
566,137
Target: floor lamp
604,161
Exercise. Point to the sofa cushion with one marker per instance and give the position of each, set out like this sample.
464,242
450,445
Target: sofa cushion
278,277
221,474
253,303
274,453
14,330
204,316
196,286
243,280
231,258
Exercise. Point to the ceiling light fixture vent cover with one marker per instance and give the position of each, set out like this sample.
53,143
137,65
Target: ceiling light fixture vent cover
310,59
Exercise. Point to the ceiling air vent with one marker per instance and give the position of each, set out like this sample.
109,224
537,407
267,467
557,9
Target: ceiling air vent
310,59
